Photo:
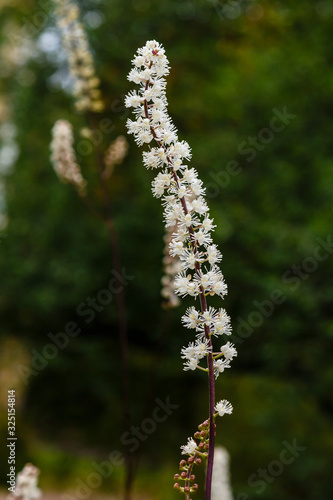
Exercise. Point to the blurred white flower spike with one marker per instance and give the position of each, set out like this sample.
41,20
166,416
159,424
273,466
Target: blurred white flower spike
186,210
80,61
115,155
26,484
63,156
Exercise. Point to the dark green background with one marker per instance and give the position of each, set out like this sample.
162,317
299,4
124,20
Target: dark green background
228,77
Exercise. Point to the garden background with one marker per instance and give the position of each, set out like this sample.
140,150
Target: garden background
251,90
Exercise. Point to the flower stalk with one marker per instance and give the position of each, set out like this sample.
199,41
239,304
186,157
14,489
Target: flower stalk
185,208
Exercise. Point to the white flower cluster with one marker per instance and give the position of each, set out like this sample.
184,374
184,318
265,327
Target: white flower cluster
26,484
184,204
190,448
223,407
63,156
80,60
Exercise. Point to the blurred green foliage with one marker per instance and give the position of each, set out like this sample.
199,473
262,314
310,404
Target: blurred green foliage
270,193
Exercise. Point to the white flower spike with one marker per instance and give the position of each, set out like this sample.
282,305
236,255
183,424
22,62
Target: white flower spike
185,209
182,195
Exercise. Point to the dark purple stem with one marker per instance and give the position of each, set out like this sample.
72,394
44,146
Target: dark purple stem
121,310
203,303
189,472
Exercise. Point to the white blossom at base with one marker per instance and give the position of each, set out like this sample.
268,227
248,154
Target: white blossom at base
221,489
63,156
26,484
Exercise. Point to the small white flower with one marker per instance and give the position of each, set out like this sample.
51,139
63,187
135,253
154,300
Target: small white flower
192,318
152,159
208,225
133,100
190,175
203,238
173,213
181,149
189,352
181,191
176,248
187,220
221,324
213,255
191,364
160,183
185,286
223,407
182,234
220,288
209,316
189,448
134,76
229,351
220,365
199,205
217,283
197,188
204,281
192,289
202,348
194,352
181,285
189,258
138,61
